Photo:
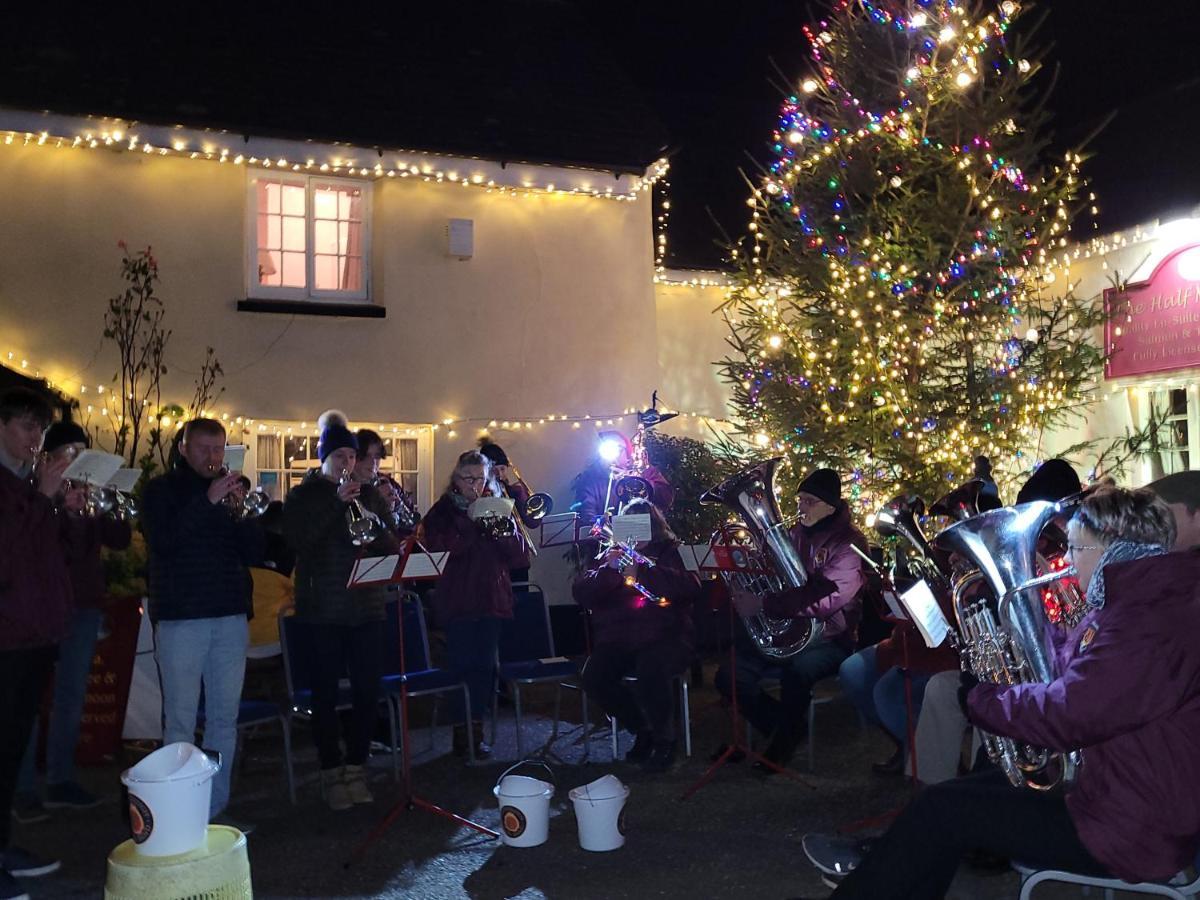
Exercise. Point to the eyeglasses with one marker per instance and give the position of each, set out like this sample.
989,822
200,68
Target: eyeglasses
1075,548
471,479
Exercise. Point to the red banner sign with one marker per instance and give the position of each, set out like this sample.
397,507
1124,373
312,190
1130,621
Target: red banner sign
1154,326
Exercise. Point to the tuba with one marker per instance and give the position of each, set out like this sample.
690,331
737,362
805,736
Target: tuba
774,563
1001,632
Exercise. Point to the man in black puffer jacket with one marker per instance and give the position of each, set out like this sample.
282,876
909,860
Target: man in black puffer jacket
200,593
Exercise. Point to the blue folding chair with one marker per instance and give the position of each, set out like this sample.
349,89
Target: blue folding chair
298,676
527,656
416,674
251,714
1184,885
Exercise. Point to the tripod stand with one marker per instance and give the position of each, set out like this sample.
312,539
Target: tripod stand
736,744
409,799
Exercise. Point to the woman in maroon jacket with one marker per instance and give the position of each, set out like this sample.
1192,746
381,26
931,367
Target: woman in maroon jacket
634,636
474,592
1128,697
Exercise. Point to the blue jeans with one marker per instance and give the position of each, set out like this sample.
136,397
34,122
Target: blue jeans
70,689
471,648
879,697
213,652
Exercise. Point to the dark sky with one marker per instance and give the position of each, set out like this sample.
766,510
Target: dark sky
711,72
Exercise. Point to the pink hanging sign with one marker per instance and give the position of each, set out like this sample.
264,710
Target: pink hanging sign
1154,325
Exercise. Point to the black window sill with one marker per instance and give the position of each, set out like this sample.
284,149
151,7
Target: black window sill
314,308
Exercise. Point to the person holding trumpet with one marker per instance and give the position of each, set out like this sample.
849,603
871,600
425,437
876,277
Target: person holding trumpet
403,516
474,592
343,628
641,601
64,441
201,594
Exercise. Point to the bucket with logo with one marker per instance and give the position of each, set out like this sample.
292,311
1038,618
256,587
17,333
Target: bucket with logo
524,806
600,813
169,795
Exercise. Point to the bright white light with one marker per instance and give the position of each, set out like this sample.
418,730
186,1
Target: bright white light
795,137
913,74
1188,264
946,33
610,450
775,341
919,20
1032,335
810,85
963,78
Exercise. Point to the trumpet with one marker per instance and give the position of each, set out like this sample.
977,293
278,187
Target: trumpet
104,501
253,505
403,516
363,525
630,556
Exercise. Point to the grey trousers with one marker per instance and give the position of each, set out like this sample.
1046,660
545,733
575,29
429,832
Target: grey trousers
940,730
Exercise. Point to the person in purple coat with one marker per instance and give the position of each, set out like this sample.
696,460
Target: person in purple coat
633,636
826,540
1128,697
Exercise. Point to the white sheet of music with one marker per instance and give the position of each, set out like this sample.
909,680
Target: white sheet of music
371,569
125,480
631,529
94,467
425,565
894,606
923,609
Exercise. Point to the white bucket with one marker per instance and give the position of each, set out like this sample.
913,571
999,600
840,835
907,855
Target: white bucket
600,813
169,795
524,808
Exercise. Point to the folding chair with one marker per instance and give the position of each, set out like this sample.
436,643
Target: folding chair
1183,885
821,694
298,677
251,714
415,673
685,714
527,656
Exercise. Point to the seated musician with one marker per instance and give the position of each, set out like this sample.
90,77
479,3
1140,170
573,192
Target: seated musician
825,539
632,635
1128,697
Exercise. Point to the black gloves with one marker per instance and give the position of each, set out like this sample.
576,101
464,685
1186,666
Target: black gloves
966,681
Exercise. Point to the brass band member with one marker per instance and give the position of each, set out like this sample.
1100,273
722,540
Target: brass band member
594,486
402,506
474,592
632,635
825,539
1128,696
512,487
343,626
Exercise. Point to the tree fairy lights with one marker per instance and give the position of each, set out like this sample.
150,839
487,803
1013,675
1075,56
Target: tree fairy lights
891,315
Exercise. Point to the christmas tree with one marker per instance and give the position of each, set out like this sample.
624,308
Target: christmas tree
888,317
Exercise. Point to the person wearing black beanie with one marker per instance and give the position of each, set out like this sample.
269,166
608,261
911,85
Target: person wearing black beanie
825,540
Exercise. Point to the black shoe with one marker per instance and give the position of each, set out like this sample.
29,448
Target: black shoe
662,757
458,742
735,757
834,856
643,744
985,862
894,765
10,888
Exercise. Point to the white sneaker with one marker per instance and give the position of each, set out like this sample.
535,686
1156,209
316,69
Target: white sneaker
356,785
333,786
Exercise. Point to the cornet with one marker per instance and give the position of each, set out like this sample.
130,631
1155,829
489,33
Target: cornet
253,505
363,525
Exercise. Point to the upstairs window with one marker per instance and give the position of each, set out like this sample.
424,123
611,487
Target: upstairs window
309,238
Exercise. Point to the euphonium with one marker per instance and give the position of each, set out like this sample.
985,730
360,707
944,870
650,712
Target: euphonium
773,562
899,518
1001,632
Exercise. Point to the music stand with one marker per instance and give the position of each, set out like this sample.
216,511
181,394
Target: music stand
724,562
411,565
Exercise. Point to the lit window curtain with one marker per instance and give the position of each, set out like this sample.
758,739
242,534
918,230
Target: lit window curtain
352,263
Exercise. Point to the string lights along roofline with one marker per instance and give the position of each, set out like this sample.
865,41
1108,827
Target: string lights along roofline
49,129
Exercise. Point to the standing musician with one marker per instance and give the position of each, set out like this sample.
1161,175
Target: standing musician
1128,698
513,487
633,635
201,594
65,440
825,539
402,514
595,486
474,592
344,625
35,598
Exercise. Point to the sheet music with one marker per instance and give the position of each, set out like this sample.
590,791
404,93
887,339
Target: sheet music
923,609
631,529
425,565
371,569
125,480
490,506
894,606
94,467
235,457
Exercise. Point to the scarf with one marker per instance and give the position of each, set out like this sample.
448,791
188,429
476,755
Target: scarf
1117,552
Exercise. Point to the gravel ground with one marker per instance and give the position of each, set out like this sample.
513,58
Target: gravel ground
737,837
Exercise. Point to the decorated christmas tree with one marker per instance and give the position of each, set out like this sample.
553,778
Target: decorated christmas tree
889,318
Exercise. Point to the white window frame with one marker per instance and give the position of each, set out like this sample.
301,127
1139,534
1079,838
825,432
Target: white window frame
258,291
1152,468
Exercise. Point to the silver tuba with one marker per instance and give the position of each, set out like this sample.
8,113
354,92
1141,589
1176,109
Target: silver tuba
1002,632
772,563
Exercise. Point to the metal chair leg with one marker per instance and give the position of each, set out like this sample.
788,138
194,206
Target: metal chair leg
812,732
516,691
469,725
557,710
287,757
687,718
587,725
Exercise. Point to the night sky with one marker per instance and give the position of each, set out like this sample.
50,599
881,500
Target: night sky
712,74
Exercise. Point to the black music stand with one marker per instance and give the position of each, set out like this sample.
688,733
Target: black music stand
409,799
736,743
